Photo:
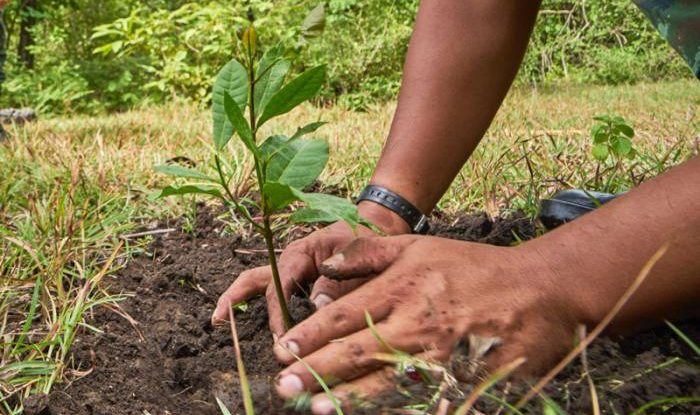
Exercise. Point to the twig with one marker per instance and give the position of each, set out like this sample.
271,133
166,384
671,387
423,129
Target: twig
597,330
255,251
595,402
146,233
116,309
245,386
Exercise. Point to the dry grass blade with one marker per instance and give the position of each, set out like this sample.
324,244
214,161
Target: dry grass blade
443,407
597,330
595,402
499,374
245,385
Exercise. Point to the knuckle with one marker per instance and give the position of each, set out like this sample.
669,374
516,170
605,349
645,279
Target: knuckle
341,317
271,297
358,360
401,293
325,285
247,274
296,247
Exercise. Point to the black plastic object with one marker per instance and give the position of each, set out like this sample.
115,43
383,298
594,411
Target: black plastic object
568,205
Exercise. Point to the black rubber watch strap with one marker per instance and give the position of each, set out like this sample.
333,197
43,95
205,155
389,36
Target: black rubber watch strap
402,207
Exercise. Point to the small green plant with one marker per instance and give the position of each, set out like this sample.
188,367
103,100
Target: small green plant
612,136
283,165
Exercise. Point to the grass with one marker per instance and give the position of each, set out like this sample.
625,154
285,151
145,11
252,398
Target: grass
70,186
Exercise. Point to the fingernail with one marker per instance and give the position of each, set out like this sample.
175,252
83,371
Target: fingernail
292,347
322,300
333,261
322,406
286,351
289,385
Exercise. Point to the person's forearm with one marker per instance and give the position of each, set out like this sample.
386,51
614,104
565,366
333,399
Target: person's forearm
461,61
598,256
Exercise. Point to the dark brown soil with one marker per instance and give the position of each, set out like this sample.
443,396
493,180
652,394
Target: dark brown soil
170,360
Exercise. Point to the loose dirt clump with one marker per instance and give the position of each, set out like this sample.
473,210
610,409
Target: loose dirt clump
158,353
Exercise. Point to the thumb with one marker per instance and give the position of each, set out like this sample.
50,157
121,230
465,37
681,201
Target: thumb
248,284
365,257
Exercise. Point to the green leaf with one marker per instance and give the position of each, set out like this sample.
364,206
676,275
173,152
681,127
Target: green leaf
294,93
626,130
621,146
314,23
618,120
327,208
319,207
271,72
190,189
278,195
239,123
306,215
308,129
179,171
603,118
242,306
600,152
271,145
599,133
297,163
232,78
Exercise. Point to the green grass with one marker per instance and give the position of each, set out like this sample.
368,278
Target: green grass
70,186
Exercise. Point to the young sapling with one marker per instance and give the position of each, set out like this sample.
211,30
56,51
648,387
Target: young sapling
612,137
246,95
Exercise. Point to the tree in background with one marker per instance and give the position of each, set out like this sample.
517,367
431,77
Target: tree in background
27,13
3,54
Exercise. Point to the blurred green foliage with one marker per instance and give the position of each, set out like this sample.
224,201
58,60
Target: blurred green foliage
118,54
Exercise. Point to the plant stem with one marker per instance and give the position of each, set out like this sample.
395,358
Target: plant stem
288,322
266,228
230,195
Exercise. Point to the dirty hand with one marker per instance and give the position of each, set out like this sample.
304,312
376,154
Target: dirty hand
429,293
299,262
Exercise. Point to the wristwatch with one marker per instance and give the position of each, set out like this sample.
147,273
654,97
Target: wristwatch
416,220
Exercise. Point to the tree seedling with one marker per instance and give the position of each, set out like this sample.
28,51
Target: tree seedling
612,137
283,165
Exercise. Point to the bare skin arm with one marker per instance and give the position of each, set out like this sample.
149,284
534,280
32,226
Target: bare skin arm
461,61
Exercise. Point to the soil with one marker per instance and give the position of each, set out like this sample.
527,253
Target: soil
158,353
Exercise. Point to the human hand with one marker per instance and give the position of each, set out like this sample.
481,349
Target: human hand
299,263
428,294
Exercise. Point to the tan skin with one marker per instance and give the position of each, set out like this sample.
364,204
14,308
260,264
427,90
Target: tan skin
427,293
